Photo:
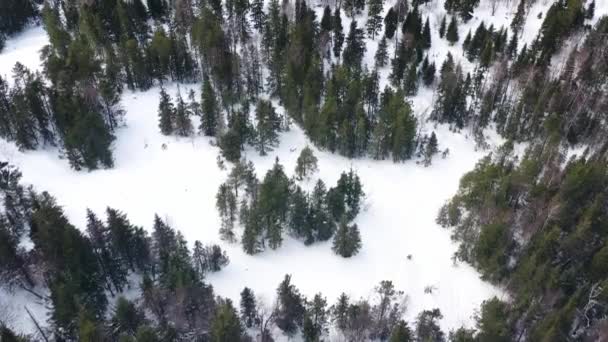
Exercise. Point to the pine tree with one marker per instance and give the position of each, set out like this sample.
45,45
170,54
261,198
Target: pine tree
390,23
210,111
401,333
430,149
226,326
166,113
452,32
248,308
347,240
183,125
427,328
355,47
426,35
306,164
338,32
257,14
410,85
519,17
326,20
290,308
374,18
590,12
381,56
428,72
442,27
267,128
315,319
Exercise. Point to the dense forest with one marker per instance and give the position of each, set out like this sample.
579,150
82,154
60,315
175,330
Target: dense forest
534,224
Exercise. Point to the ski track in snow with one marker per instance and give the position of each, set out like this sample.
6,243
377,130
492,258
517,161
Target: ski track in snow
180,184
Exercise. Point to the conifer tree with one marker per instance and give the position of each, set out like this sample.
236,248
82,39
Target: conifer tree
248,308
338,32
226,325
210,111
183,125
401,333
390,23
166,113
267,128
430,149
381,57
426,35
290,308
257,14
326,20
519,17
355,47
452,32
315,319
306,164
442,27
374,18
347,240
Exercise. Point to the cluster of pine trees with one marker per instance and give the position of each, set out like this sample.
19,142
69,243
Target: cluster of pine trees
266,209
82,271
537,223
14,16
85,271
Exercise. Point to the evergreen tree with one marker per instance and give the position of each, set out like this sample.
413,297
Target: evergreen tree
183,125
452,32
442,27
430,149
267,128
338,32
248,308
306,164
210,119
381,56
347,240
426,35
428,73
401,333
326,20
390,23
166,113
257,14
519,17
355,47
126,319
226,326
315,319
374,18
427,327
290,308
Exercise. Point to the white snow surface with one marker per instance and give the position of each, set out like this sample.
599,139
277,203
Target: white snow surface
180,183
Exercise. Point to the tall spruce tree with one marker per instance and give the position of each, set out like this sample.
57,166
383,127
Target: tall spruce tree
166,113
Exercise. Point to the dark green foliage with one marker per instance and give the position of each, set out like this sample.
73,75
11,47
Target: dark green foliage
401,333
338,32
267,128
126,319
248,308
306,164
374,18
442,27
427,327
166,113
347,240
561,19
290,308
355,47
492,324
326,20
426,35
316,319
464,8
210,111
390,23
183,125
15,14
518,19
452,32
73,274
381,57
450,105
226,326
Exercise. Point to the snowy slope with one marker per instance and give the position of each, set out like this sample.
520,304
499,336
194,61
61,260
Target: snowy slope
180,183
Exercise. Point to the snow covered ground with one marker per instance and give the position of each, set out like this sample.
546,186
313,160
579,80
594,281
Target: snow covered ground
180,184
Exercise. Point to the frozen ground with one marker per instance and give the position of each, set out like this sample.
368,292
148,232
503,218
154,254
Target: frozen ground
180,184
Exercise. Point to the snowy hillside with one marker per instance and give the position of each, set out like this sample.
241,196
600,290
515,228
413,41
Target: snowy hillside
401,241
